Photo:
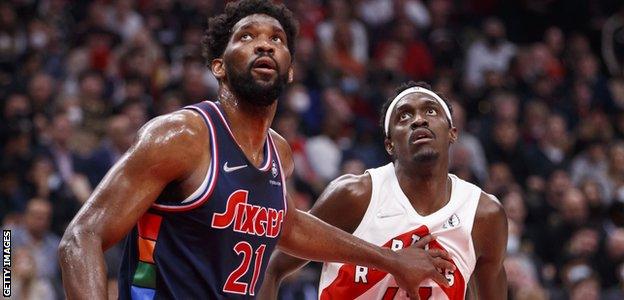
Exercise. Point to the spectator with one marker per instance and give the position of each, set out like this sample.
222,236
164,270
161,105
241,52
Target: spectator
592,163
616,172
26,283
521,274
39,244
610,262
341,21
324,152
474,157
79,78
119,137
414,57
552,150
491,53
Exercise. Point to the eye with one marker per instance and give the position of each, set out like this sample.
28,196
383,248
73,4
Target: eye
276,39
246,37
404,116
432,112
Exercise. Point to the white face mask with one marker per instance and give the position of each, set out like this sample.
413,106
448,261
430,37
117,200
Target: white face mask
513,244
299,101
75,114
38,39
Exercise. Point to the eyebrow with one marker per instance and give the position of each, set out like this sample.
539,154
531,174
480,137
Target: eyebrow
432,102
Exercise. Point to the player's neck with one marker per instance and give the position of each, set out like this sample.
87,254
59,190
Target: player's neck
427,189
249,123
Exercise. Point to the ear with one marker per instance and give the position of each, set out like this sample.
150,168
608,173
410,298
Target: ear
218,68
389,146
453,134
291,74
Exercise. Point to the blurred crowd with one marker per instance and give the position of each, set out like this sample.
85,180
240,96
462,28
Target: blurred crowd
537,89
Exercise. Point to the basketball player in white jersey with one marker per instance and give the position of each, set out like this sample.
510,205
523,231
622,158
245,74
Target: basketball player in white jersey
414,195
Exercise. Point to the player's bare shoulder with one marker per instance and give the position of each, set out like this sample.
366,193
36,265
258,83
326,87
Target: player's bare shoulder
344,201
490,208
179,126
179,138
350,188
490,226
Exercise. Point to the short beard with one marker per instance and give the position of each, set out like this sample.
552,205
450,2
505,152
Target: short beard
426,156
246,87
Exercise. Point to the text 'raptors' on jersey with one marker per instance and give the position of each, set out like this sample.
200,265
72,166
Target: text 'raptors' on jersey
217,241
391,221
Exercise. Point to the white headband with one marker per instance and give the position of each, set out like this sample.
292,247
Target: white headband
415,89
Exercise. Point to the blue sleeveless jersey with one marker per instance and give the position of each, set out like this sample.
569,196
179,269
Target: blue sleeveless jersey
216,243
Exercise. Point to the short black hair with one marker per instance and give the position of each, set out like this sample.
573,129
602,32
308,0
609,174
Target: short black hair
404,86
219,30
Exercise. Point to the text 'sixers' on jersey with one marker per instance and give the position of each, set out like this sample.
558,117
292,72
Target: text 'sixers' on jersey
215,243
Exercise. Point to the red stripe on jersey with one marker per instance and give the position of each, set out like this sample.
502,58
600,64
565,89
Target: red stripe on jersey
345,287
149,226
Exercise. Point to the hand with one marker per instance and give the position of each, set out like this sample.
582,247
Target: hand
415,264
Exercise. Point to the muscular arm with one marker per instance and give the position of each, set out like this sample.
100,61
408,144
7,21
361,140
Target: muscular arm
166,150
489,234
308,237
342,204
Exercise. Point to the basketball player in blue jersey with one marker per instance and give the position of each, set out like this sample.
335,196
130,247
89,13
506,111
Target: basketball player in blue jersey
396,204
200,196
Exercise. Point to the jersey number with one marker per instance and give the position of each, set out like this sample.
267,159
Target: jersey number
232,285
423,292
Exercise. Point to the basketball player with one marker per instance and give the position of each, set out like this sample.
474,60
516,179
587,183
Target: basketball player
396,205
201,193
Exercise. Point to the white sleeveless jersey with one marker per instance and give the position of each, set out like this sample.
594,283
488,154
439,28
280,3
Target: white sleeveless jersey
391,221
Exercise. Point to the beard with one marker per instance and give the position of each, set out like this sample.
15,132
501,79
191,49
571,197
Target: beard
252,91
425,156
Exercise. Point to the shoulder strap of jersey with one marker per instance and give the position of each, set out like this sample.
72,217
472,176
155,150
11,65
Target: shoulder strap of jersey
205,189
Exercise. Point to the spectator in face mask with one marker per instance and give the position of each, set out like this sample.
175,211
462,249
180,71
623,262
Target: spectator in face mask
491,53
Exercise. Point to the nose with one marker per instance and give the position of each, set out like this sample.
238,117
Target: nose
263,46
419,121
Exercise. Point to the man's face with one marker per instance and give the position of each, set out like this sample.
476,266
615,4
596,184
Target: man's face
37,217
257,61
419,130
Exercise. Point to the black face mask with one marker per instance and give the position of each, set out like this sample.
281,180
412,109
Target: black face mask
248,90
493,41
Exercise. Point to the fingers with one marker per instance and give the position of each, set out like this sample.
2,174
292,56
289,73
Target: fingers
443,264
440,280
424,241
413,295
439,253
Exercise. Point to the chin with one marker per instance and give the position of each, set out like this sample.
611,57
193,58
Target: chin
265,84
426,156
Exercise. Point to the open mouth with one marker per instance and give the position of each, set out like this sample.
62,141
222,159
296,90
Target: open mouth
264,65
421,135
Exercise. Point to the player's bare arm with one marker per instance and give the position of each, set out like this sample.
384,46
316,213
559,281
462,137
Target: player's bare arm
167,150
308,237
489,234
342,205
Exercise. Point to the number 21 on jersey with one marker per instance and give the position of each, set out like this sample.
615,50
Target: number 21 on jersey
232,284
